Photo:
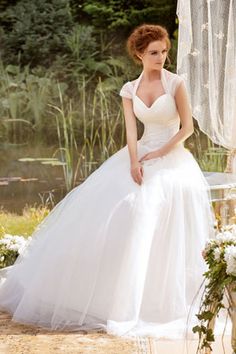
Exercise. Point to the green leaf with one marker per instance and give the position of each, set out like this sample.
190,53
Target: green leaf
209,335
206,315
196,329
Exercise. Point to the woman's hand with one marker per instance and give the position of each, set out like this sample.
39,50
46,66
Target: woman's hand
151,155
137,172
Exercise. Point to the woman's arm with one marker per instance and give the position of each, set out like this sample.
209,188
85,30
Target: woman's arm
131,129
186,129
131,136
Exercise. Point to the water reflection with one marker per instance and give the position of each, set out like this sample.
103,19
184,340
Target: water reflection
29,182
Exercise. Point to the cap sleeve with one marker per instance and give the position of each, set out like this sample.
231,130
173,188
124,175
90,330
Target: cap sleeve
176,82
127,90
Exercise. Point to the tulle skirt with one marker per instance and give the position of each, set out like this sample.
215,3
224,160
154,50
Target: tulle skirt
116,255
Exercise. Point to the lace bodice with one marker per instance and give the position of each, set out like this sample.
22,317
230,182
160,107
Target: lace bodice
161,120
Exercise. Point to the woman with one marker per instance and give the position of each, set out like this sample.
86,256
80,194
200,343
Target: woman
122,251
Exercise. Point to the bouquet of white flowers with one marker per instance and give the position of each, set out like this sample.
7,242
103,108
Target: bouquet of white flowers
10,248
220,257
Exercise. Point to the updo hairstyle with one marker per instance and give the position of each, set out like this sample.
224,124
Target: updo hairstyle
142,36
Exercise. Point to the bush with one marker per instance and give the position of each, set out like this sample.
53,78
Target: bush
121,16
10,248
34,32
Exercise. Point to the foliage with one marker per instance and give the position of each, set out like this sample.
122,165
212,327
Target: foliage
87,56
42,32
24,95
121,16
10,248
23,224
67,142
210,157
64,63
99,127
5,3
34,32
220,257
87,128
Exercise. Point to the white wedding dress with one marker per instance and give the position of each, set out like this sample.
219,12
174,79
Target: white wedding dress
116,255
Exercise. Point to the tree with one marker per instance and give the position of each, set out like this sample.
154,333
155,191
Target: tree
34,31
124,15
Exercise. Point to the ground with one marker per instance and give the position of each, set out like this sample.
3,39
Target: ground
16,338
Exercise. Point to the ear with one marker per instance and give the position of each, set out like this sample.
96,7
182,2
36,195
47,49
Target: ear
139,56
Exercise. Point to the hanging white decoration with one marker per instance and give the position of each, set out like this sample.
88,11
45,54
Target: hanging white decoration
207,61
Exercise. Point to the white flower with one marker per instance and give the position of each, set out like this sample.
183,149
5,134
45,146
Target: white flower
226,236
217,253
14,243
13,247
230,259
2,258
209,244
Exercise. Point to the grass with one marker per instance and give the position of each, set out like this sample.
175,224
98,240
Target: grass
86,124
22,225
210,157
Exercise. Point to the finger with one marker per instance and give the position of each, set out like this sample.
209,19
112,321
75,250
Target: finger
141,170
140,173
140,177
135,178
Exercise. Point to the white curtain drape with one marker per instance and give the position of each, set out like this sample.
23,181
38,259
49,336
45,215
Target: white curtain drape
207,61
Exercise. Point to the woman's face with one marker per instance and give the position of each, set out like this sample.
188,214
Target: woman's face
154,55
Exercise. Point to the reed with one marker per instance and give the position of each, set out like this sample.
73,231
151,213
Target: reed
87,124
87,137
210,157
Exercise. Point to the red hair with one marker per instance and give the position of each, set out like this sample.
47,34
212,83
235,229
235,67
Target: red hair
142,36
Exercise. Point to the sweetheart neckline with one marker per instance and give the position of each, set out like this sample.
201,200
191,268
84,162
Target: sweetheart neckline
164,94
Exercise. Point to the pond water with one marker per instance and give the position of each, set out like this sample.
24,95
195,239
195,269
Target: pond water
32,182
28,183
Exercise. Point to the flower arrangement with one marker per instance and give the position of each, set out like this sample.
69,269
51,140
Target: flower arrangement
220,257
10,248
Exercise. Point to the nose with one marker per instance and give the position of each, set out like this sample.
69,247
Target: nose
160,56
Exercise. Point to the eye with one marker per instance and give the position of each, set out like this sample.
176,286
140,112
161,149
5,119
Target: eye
155,52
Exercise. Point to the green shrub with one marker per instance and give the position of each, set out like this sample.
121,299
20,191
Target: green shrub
34,32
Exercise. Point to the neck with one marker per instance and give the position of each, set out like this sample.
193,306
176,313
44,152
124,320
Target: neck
151,75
